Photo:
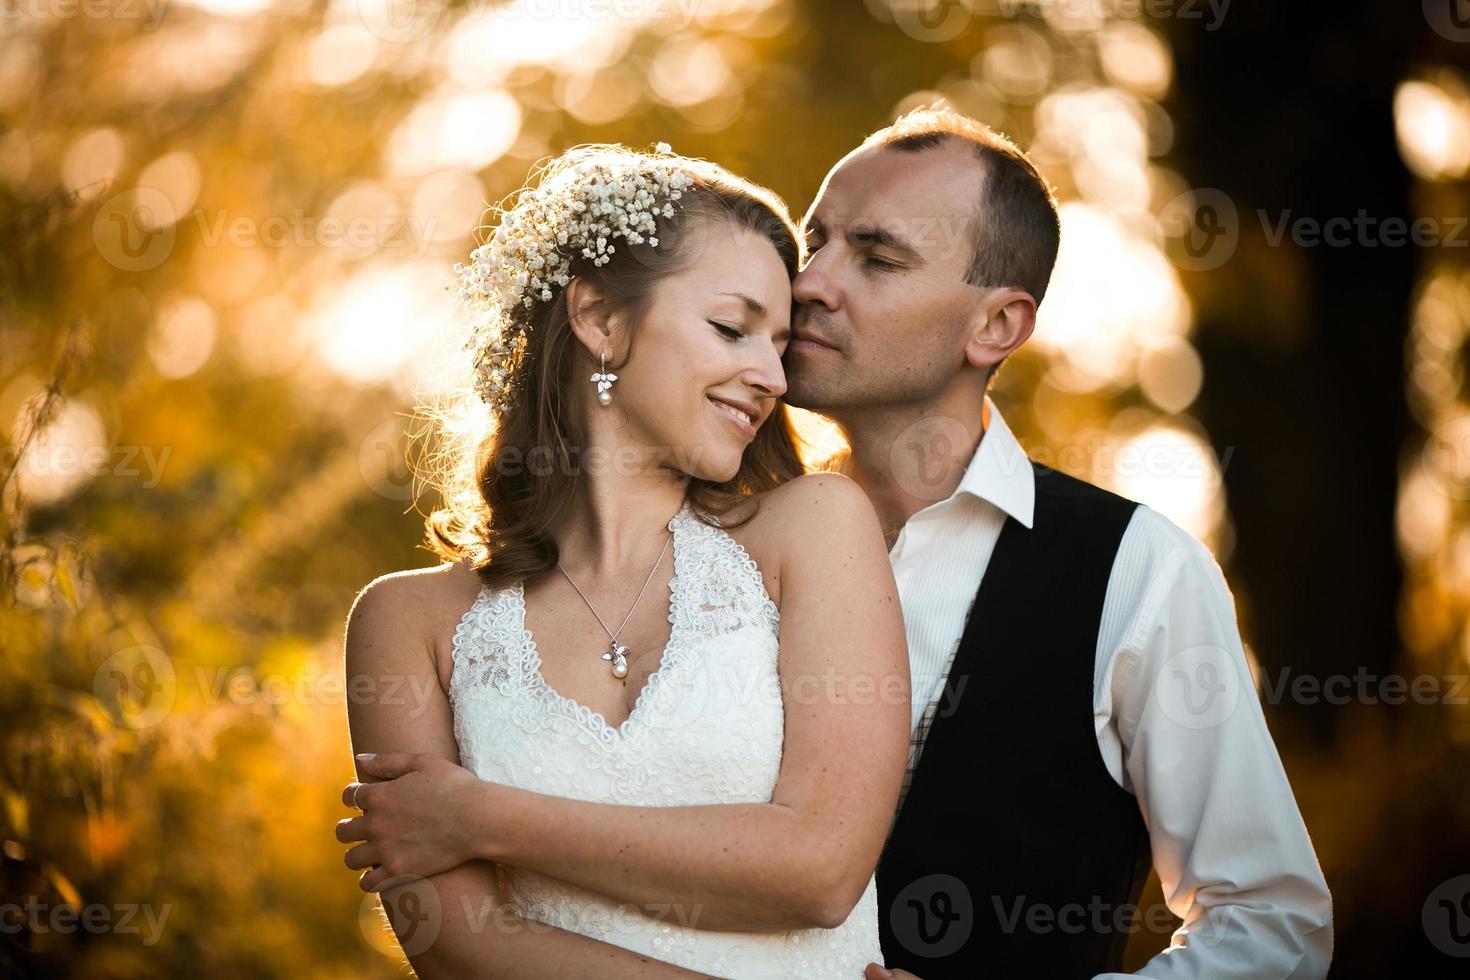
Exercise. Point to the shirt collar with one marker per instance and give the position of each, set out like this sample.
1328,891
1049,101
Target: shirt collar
1000,472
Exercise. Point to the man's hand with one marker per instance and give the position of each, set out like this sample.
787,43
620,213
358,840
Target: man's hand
417,820
876,971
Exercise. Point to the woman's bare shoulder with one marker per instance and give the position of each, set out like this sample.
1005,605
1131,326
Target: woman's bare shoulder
811,503
408,612
815,510
415,591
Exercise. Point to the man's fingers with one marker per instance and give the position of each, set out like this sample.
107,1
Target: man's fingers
876,971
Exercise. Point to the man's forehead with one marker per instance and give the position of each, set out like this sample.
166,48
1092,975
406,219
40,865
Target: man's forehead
881,185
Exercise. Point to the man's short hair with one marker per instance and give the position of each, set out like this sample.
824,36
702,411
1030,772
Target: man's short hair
1015,227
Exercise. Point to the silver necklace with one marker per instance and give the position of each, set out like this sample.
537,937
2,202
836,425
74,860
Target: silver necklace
616,652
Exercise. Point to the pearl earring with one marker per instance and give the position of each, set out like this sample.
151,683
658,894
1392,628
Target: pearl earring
604,381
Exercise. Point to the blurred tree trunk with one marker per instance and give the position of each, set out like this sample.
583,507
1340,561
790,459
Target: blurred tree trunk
1288,109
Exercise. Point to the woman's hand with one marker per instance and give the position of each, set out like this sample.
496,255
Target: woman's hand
877,971
426,816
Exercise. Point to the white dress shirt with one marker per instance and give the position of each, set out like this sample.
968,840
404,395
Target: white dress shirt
1178,721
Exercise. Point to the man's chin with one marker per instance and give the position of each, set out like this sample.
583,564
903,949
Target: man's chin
813,395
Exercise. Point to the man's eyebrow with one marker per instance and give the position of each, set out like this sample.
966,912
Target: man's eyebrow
751,304
869,235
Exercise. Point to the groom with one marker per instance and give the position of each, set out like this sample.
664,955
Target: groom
1082,704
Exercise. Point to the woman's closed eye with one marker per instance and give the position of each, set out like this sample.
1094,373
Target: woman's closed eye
728,332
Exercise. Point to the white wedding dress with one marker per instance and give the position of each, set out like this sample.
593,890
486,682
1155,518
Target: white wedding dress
707,728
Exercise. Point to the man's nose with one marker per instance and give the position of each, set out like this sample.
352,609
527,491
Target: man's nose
813,285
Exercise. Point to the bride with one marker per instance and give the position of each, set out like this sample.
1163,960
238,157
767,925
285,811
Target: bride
650,716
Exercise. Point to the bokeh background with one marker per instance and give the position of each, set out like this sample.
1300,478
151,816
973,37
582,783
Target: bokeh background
225,231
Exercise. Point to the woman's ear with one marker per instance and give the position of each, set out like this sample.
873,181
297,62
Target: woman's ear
587,311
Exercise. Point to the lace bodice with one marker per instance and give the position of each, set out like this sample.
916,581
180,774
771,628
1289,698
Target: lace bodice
706,728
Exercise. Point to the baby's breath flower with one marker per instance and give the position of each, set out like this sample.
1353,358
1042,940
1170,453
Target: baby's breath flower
579,210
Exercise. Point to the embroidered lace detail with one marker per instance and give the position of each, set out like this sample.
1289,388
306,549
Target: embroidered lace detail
706,728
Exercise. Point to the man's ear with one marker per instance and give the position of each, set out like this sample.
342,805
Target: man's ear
591,322
1002,322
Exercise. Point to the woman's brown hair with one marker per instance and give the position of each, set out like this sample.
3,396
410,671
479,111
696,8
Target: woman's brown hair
508,478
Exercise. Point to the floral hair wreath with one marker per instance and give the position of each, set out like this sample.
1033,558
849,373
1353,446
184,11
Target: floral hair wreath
579,209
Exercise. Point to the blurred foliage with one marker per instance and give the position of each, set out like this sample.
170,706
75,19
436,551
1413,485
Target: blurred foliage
224,230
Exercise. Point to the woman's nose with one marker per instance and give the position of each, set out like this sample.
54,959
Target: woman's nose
769,375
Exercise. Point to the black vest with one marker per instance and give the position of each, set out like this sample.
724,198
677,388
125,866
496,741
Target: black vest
1015,854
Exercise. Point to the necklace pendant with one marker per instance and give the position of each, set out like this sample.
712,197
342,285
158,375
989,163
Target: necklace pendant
618,654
